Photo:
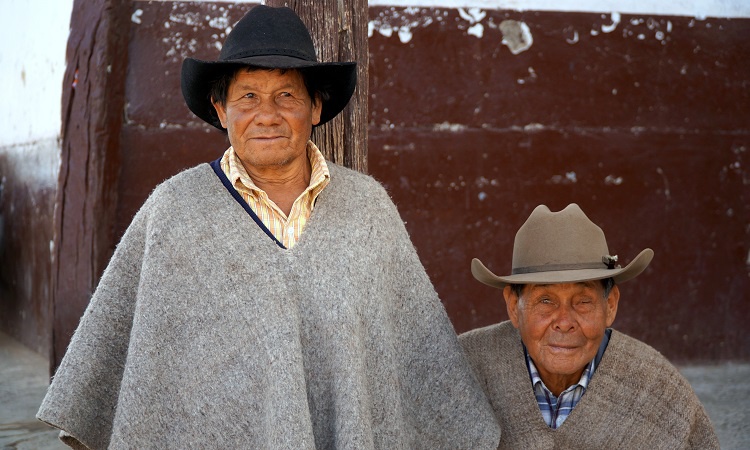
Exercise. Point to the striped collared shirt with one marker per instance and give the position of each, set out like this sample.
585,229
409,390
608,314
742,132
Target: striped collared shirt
556,409
286,229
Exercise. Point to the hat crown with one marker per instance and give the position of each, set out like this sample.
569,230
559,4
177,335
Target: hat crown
550,241
269,31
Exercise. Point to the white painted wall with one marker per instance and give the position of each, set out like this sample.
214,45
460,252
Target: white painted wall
33,39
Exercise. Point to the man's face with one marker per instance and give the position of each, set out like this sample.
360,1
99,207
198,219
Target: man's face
269,117
562,326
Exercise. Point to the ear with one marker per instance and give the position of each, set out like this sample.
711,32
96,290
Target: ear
221,111
511,304
612,302
317,109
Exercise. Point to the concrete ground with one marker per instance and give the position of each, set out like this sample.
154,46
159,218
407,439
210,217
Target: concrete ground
724,390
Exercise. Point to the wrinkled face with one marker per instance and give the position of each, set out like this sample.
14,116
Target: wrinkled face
269,117
562,326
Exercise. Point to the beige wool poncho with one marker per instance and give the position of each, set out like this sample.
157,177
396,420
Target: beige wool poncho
636,399
203,333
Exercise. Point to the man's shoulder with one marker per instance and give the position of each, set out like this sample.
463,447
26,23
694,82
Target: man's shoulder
630,357
490,338
351,187
628,347
350,177
189,176
186,182
182,190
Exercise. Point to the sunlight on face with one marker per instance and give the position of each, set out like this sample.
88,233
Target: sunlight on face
562,326
269,116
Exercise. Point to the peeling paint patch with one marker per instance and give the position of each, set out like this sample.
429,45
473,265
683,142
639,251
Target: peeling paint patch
667,193
401,23
534,127
568,178
612,180
476,30
221,23
530,78
446,126
574,39
516,36
136,17
473,15
615,22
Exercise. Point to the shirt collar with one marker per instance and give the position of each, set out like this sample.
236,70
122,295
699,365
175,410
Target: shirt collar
587,374
240,179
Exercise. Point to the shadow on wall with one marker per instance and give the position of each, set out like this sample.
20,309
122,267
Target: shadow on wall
28,184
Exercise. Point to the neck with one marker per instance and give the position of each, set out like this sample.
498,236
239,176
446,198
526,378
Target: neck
557,384
283,184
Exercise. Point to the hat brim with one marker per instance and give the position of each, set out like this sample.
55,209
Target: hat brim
197,77
632,270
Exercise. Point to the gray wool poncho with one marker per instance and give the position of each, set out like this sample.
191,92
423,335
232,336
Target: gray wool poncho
203,333
635,400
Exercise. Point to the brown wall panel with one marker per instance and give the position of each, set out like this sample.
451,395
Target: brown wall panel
27,194
694,77
151,156
648,134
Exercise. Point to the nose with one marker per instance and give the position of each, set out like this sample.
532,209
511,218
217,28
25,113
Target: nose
564,320
267,113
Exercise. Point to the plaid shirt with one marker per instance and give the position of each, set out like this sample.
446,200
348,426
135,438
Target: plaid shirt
286,229
556,409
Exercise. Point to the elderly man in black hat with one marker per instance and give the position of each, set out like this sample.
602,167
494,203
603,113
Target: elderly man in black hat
556,375
269,299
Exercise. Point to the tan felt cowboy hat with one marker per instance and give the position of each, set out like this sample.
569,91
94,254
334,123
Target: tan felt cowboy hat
561,247
271,38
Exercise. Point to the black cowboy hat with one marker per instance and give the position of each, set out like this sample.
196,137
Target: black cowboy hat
273,38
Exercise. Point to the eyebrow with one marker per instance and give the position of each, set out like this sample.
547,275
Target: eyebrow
591,283
244,86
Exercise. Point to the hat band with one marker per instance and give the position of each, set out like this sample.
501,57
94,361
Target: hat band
271,52
557,267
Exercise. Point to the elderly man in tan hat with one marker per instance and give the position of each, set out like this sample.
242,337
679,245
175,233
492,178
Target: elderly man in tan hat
269,299
556,375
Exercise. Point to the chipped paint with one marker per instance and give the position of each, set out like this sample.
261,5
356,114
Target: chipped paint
568,178
666,190
611,180
178,47
136,17
399,22
689,8
615,21
446,126
516,36
473,15
476,30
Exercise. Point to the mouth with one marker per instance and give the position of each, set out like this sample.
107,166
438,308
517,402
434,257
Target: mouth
267,138
563,348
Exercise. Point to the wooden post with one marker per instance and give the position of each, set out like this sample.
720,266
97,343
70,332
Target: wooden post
339,31
92,110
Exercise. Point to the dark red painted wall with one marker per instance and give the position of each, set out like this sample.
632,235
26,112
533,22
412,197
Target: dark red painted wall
649,136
